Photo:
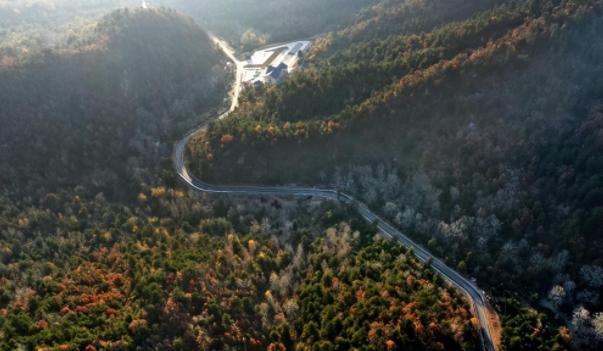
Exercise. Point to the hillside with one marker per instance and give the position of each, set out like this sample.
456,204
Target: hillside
247,24
395,18
254,23
100,251
108,102
24,12
478,134
114,277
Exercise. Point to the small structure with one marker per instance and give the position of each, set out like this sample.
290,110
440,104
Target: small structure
276,74
271,65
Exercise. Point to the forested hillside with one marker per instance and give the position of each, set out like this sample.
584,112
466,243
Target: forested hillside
171,273
28,27
30,24
479,134
110,102
396,17
255,23
99,250
28,12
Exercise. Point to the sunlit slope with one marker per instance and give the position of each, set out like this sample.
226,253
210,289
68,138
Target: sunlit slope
480,139
401,17
408,99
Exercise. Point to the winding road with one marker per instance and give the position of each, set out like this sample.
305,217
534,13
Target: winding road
480,305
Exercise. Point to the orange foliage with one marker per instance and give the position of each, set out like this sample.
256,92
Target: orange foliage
65,310
280,317
410,280
276,347
419,328
136,325
564,332
474,322
409,307
111,312
374,329
170,306
410,316
158,191
41,324
252,246
335,283
226,139
360,295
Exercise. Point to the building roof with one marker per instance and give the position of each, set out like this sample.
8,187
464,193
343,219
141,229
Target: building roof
277,72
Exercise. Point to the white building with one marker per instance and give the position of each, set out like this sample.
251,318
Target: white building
273,64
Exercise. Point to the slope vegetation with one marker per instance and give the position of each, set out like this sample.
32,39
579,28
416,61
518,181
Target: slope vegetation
480,137
118,277
99,252
92,110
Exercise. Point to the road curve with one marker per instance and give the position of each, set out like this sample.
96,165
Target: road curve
477,296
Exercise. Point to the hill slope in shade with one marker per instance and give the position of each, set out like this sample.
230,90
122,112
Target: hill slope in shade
81,113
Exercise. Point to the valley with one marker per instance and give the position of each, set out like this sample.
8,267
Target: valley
489,328
334,175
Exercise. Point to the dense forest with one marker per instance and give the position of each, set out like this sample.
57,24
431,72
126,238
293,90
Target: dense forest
255,23
101,250
477,131
172,273
90,113
34,25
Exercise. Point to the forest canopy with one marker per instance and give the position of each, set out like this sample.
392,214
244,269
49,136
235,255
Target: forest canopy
475,127
88,112
477,131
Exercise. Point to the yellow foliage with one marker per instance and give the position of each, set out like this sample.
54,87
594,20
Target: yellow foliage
252,246
268,295
107,236
158,191
475,322
564,332
23,222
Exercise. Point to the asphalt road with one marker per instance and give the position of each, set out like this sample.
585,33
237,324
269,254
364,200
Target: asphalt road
472,291
237,86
